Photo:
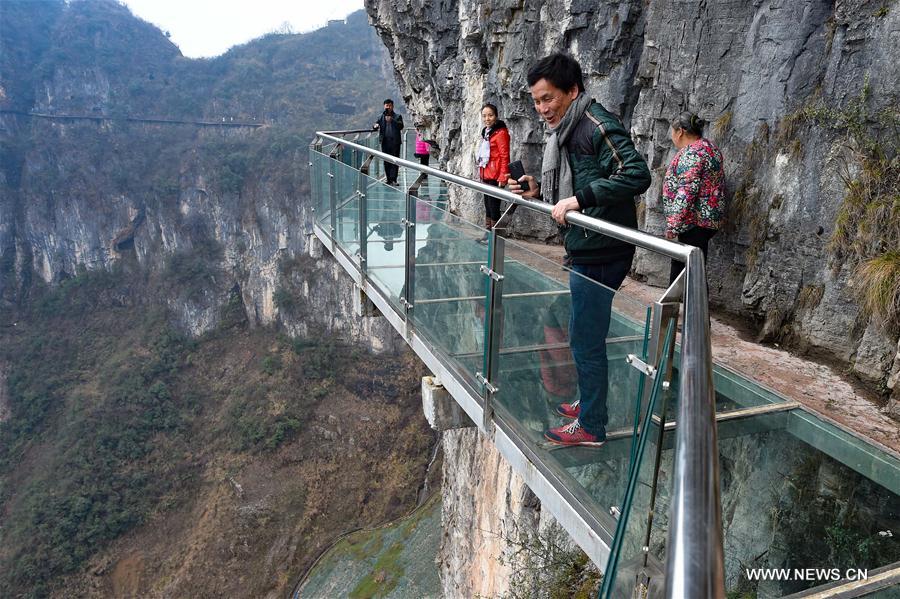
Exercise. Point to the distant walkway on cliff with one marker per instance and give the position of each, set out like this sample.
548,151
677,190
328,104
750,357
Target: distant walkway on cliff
129,119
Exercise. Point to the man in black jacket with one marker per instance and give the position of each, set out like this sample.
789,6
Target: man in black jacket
390,127
590,165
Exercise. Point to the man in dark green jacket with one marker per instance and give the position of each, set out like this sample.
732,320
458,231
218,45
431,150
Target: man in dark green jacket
591,165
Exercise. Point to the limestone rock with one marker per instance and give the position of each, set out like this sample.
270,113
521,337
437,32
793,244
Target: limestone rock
747,67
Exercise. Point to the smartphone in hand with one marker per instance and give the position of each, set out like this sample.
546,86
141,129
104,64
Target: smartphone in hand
517,171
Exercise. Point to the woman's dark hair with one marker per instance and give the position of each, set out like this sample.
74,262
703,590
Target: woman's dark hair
492,107
561,70
690,122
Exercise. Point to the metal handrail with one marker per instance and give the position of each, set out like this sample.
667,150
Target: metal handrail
695,564
671,249
347,132
696,561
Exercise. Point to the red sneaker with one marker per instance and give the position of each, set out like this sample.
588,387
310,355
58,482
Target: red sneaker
573,434
569,410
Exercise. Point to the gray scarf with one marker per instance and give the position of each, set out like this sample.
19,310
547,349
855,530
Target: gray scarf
556,182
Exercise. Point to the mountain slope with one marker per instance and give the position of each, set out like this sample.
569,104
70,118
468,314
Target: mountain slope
166,427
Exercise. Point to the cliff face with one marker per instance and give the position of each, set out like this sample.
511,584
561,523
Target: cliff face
221,206
497,540
796,93
183,464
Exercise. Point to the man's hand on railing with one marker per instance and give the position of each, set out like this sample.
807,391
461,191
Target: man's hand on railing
533,188
563,206
375,127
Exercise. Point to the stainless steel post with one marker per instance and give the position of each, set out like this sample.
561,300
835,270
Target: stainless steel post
695,560
332,198
493,334
409,263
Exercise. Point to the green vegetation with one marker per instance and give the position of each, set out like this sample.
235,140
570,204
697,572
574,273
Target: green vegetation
866,235
286,81
116,391
285,300
547,562
374,562
110,404
846,520
880,278
868,223
722,125
193,271
746,203
107,400
361,549
383,578
867,227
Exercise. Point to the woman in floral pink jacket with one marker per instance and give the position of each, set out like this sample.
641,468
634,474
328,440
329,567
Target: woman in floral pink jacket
693,188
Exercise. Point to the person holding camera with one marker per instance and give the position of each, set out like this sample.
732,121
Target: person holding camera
492,158
590,165
390,127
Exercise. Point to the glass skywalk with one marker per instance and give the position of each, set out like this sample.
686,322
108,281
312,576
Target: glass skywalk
796,491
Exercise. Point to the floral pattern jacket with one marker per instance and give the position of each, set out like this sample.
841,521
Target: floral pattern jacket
694,188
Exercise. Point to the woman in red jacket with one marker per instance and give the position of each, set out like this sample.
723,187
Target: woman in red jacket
492,159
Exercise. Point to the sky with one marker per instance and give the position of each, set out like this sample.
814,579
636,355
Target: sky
205,28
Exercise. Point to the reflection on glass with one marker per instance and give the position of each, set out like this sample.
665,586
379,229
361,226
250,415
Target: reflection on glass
631,571
386,238
450,288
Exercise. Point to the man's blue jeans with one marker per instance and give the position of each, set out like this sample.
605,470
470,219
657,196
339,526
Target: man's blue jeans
588,326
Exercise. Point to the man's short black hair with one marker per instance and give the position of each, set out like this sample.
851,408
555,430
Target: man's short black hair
388,101
561,70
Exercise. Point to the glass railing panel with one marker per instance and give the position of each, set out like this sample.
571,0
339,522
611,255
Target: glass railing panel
409,145
787,505
328,147
801,494
450,288
796,491
631,570
386,239
733,392
854,452
345,155
318,181
346,180
536,366
330,183
369,140
537,370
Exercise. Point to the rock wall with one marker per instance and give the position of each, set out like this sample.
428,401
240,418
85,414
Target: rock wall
4,395
497,542
748,67
58,233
